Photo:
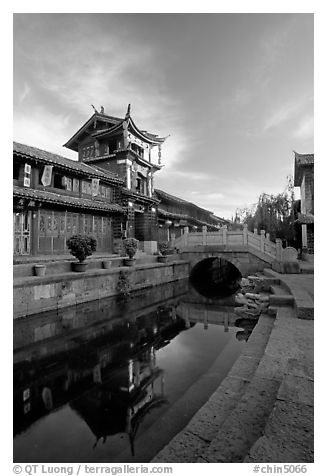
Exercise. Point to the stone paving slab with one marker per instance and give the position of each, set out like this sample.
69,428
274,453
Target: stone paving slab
296,389
245,424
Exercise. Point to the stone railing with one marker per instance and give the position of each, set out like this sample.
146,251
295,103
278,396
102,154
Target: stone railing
223,237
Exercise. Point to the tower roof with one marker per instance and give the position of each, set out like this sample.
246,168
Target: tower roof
110,125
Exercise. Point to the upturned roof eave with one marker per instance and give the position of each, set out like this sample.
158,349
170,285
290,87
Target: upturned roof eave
156,141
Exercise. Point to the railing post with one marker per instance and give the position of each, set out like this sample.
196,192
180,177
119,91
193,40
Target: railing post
204,235
279,248
268,236
225,235
245,235
255,231
172,239
262,241
186,235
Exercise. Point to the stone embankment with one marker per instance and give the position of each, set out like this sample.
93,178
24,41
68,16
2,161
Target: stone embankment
263,410
61,288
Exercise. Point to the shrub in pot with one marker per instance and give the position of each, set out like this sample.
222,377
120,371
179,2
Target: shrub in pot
81,246
163,251
130,246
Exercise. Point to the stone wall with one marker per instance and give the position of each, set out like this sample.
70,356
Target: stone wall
37,294
247,263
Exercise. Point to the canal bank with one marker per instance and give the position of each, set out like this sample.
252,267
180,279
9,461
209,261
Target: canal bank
111,381
263,409
61,287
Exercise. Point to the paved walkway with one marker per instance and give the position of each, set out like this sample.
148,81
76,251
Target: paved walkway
263,410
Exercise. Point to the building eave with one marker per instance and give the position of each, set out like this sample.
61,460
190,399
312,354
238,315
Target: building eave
45,196
38,155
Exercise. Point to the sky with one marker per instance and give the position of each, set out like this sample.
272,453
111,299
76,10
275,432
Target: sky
234,92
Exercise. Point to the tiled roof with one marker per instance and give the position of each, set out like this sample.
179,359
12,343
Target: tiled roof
50,158
162,194
304,159
178,216
301,162
74,202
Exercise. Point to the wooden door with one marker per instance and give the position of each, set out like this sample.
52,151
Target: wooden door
22,233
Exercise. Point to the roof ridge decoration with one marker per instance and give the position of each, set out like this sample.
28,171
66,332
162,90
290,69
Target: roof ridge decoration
128,112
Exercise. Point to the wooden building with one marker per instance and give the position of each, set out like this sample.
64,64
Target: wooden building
304,178
118,146
55,197
174,214
108,192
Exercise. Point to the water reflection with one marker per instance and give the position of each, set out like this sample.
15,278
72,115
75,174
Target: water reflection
108,364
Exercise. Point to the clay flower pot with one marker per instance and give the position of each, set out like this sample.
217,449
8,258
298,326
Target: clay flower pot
79,267
39,269
162,259
129,261
106,264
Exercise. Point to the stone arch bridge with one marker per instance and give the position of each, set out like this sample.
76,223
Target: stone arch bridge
248,252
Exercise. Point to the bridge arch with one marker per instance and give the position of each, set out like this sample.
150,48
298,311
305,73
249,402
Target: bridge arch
215,276
241,264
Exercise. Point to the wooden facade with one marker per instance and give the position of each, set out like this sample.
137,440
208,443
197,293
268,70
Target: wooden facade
75,199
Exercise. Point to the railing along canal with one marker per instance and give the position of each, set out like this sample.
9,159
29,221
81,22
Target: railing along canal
230,239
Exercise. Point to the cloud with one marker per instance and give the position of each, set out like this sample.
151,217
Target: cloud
282,114
305,128
24,93
34,130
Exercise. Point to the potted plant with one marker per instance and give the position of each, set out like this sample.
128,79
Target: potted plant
81,246
130,246
39,269
163,251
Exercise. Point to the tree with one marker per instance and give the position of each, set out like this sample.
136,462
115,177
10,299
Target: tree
273,213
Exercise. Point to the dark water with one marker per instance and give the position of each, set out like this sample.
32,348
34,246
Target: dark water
114,381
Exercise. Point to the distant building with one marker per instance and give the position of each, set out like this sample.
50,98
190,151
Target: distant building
174,214
304,178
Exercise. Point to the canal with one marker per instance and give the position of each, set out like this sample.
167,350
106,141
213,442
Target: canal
115,380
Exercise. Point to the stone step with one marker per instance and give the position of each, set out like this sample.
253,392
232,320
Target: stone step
189,445
278,290
288,434
281,300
